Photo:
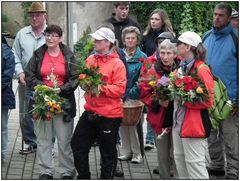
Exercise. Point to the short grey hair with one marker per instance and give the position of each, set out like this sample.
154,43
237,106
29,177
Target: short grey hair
167,44
131,29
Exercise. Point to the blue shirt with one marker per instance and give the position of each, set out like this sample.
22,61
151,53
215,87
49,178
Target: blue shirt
24,45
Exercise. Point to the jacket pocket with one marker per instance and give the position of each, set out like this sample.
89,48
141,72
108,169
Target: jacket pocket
192,126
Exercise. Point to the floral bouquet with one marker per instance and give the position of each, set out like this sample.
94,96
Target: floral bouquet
47,103
90,79
189,88
160,88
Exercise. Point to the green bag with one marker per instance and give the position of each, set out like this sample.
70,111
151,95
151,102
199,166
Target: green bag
222,107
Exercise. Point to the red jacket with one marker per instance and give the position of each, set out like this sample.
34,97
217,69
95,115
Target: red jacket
109,102
192,125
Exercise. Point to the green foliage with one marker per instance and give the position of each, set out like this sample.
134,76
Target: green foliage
4,19
184,15
26,5
84,46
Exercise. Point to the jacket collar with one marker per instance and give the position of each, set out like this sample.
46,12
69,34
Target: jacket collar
224,31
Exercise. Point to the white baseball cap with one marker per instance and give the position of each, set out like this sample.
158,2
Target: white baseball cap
104,33
190,38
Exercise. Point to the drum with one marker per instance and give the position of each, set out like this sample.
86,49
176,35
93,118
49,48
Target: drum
132,110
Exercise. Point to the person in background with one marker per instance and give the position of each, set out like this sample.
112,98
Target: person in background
235,19
120,19
160,111
8,97
223,59
56,60
27,40
103,113
158,22
132,55
189,140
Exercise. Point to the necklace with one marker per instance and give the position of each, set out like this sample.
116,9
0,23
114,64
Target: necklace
52,77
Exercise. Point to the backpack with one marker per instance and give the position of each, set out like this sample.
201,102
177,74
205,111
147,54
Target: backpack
220,109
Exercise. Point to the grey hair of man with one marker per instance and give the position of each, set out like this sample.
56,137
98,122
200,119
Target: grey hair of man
224,6
167,44
131,29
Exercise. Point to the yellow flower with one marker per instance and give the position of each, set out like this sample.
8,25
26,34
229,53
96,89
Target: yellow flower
199,90
152,83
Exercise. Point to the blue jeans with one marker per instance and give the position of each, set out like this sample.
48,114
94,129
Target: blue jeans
26,121
149,135
4,133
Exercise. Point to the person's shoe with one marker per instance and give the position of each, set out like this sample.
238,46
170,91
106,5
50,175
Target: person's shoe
125,157
148,146
67,177
45,177
28,149
231,177
137,158
156,171
118,172
216,172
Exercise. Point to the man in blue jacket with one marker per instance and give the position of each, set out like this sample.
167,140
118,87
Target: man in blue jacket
222,56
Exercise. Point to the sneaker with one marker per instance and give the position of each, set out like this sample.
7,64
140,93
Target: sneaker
137,158
28,149
125,157
45,177
148,146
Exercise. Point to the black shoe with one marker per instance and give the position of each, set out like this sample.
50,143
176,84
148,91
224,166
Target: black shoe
118,173
29,149
148,146
45,177
156,171
67,177
216,172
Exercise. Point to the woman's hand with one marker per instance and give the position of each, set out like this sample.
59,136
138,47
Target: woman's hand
164,103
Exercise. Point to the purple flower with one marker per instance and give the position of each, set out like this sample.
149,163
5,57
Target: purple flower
164,81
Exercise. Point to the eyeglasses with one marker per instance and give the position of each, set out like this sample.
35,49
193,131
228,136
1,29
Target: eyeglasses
51,36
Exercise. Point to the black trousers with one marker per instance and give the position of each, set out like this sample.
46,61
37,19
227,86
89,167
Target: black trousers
89,127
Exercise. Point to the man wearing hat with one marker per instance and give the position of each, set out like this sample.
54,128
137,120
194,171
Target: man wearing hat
234,19
27,40
103,113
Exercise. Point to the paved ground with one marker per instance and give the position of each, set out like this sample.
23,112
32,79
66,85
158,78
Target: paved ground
26,167
20,167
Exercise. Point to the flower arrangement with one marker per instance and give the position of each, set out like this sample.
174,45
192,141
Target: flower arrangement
47,103
160,88
189,88
90,79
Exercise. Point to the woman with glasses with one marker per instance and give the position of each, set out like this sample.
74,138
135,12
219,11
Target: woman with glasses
190,120
56,60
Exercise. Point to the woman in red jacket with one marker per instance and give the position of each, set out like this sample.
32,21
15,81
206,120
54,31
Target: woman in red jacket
160,112
190,120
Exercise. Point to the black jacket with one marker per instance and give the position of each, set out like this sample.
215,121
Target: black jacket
119,26
148,44
33,75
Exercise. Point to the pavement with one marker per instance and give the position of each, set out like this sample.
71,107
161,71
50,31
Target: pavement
19,167
25,167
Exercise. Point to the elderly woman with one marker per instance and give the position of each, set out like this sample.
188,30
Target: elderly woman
54,58
160,111
132,55
190,120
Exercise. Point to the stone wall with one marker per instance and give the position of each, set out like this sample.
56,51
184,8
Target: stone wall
71,16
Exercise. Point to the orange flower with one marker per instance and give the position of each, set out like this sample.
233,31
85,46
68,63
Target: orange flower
82,76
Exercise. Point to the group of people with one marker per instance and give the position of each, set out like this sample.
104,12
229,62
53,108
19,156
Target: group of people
181,153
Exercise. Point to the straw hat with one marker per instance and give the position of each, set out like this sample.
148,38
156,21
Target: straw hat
37,7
